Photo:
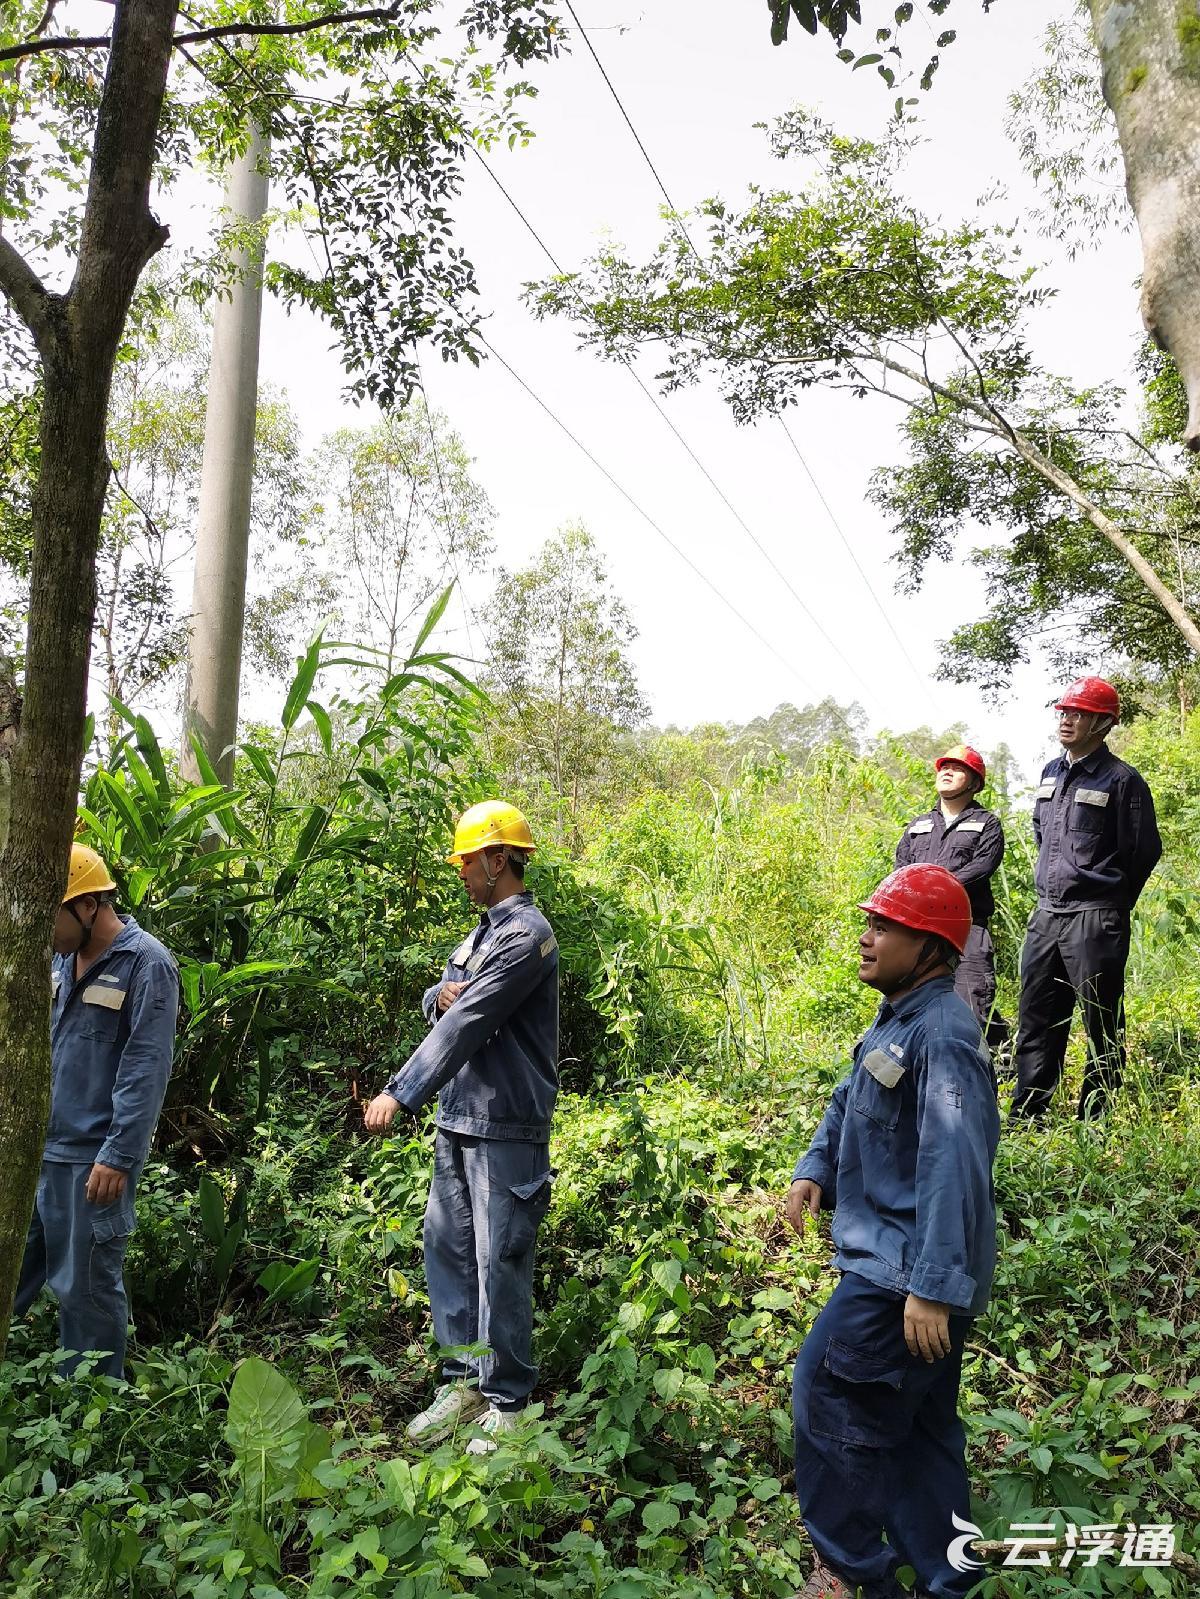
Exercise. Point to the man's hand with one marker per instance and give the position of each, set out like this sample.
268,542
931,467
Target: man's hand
380,1113
926,1327
104,1185
447,994
803,1195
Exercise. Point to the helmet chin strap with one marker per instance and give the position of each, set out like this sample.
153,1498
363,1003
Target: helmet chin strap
492,879
87,927
926,960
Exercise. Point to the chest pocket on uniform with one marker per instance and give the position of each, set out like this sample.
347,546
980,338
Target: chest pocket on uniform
879,1090
101,1011
1089,809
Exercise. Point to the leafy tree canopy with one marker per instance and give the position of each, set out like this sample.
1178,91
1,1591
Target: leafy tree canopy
369,112
842,283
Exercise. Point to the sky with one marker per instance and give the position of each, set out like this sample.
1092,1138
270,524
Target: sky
695,78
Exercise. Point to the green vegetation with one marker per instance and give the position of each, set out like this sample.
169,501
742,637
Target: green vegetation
707,928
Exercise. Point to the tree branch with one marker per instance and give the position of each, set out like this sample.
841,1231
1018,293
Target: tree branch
25,291
232,30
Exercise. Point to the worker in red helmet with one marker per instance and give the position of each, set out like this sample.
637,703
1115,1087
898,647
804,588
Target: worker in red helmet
959,834
903,1159
1098,842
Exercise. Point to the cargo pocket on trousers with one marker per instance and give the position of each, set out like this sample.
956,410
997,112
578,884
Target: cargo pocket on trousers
855,1398
106,1261
530,1202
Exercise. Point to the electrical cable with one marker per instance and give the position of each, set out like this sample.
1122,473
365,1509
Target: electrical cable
675,214
627,363
644,514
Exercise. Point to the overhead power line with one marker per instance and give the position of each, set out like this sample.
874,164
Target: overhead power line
650,395
645,515
682,230
849,548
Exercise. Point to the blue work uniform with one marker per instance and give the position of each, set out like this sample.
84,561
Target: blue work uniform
112,1034
492,1060
1098,842
903,1158
971,846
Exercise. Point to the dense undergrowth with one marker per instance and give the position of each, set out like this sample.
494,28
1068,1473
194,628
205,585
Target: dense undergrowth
709,1003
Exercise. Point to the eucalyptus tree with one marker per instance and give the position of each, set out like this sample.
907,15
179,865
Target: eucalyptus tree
1149,62
369,111
842,284
398,515
558,669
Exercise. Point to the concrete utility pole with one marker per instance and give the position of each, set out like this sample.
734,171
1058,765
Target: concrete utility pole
226,479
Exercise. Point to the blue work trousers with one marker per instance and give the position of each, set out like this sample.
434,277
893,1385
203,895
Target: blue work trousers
879,1446
486,1202
77,1250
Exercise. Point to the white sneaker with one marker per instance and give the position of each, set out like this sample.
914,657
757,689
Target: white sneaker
453,1405
492,1426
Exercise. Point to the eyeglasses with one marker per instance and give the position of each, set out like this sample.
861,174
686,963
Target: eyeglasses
1071,716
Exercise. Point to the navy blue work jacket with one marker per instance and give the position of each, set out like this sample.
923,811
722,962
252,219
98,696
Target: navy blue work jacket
970,845
492,1057
1096,833
904,1153
112,1034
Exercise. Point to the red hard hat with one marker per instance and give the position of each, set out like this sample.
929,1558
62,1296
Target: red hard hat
1091,694
964,755
926,898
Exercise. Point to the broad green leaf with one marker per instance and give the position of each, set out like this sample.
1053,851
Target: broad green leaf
660,1514
212,1209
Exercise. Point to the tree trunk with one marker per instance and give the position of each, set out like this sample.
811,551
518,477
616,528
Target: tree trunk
226,481
77,336
1150,52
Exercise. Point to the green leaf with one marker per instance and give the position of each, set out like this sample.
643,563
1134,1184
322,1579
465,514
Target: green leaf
432,618
867,61
147,743
668,1381
765,1489
315,825
301,685
266,1427
1042,1458
260,761
203,765
212,1209
774,1299
374,780
297,1281
666,1273
323,725
660,1514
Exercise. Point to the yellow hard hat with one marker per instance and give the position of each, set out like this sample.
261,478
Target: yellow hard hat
487,824
87,873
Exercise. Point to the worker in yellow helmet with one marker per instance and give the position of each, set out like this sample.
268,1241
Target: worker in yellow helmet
115,997
491,1057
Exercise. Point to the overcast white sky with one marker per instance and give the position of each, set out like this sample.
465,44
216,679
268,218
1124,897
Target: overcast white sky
695,75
